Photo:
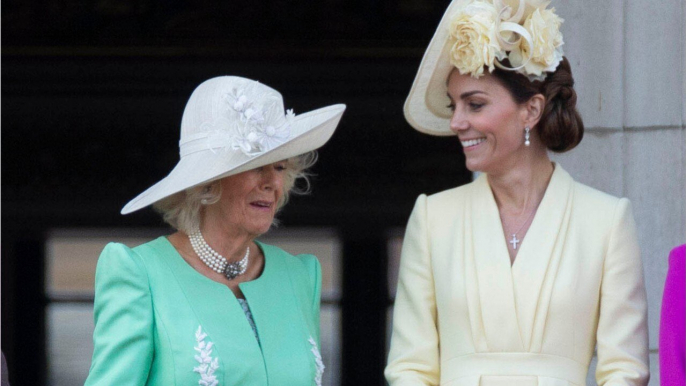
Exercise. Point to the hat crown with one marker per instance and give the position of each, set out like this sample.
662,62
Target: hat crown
230,98
236,114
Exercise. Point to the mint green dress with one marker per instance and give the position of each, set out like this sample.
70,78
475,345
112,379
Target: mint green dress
160,322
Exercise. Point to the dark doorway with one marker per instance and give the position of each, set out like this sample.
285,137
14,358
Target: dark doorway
92,97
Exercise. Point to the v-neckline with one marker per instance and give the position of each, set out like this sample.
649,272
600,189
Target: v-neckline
508,292
541,206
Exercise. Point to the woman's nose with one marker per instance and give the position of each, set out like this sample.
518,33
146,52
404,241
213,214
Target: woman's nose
269,178
458,122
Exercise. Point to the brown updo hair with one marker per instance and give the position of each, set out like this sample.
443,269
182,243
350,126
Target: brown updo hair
560,127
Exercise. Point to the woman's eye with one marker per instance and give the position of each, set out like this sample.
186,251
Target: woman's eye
280,167
451,107
475,106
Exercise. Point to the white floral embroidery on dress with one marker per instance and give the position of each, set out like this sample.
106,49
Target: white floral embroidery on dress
318,362
207,365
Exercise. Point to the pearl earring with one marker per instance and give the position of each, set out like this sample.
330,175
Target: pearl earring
526,136
204,201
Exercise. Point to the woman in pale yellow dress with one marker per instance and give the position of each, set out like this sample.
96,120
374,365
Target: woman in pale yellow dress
515,278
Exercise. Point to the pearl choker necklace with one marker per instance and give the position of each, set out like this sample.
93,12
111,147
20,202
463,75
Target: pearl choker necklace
214,260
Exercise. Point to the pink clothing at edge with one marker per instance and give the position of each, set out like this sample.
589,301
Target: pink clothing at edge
673,322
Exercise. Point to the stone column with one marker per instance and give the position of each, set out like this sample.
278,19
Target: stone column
629,62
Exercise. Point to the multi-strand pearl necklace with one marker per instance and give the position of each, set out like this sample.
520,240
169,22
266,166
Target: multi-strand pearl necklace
214,260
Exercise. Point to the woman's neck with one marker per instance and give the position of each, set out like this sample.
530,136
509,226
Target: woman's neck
521,188
226,239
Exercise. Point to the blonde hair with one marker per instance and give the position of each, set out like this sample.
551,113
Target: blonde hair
182,210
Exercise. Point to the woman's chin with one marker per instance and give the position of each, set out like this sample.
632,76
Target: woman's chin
261,227
473,165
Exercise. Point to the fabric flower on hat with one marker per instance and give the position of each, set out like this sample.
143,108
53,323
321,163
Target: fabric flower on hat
243,104
252,115
485,32
248,143
261,128
274,134
513,5
239,103
475,43
225,134
546,53
236,101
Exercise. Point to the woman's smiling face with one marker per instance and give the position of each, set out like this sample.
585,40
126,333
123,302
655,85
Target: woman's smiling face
488,122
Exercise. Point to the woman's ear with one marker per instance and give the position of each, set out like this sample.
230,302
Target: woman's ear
534,109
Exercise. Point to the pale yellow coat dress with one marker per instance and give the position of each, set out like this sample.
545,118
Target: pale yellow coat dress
465,317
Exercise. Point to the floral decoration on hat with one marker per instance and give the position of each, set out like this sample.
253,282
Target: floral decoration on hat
251,127
484,33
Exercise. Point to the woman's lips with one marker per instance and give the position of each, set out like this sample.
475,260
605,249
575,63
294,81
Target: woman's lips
262,205
471,143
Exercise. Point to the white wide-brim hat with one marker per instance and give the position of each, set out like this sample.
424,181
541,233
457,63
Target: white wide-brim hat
233,124
426,108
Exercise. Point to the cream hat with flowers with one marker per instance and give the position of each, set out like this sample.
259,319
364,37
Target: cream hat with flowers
233,124
478,34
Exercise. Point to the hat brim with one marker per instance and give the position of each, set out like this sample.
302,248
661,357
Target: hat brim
309,131
426,108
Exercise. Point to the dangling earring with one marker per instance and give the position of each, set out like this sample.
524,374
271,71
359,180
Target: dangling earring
526,136
206,190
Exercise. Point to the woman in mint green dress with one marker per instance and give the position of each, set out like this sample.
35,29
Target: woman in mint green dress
210,305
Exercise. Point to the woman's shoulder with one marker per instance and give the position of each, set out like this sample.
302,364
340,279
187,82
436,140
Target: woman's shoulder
445,199
302,268
594,196
596,205
446,203
600,213
117,253
677,257
117,261
156,245
301,261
